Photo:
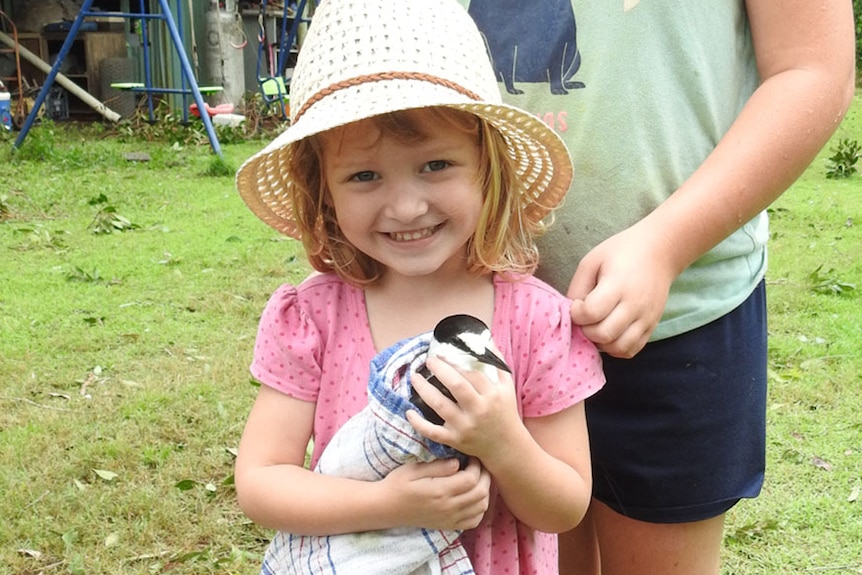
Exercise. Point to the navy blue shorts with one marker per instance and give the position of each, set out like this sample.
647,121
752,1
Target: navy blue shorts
678,433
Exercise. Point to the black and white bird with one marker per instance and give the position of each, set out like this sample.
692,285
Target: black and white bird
465,342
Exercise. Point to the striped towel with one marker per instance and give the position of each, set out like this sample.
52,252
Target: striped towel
370,445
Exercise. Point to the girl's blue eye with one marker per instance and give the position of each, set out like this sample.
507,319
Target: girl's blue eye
435,166
366,176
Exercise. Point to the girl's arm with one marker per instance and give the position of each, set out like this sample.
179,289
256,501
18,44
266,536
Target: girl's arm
275,491
541,466
547,481
805,54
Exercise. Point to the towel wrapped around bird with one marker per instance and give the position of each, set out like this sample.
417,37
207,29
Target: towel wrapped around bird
368,447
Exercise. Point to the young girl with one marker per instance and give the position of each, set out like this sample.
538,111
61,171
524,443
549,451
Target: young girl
417,194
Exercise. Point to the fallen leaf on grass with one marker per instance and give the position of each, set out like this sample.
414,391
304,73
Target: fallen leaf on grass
854,493
112,539
185,484
32,553
751,531
821,463
105,474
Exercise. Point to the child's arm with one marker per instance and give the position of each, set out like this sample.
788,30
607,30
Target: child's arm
805,57
541,465
276,491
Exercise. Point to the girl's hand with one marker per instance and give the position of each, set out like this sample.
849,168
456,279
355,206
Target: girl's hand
540,466
620,289
436,495
482,419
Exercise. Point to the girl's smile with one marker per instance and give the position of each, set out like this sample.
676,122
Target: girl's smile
412,236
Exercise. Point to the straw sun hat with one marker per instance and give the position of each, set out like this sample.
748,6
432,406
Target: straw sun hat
363,58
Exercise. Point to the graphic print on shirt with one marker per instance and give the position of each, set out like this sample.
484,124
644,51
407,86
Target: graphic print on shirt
540,48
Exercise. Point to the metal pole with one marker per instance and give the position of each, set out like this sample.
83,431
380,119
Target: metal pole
148,74
187,69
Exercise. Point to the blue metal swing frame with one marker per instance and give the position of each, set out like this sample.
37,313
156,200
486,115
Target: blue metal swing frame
188,85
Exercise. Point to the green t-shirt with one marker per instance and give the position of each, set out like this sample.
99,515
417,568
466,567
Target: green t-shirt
641,91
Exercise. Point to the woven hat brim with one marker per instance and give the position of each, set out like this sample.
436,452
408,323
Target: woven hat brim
544,168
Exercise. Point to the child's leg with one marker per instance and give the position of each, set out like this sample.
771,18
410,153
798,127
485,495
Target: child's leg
632,547
677,438
579,548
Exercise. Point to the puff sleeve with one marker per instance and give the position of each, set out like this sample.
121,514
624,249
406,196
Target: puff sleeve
556,366
288,350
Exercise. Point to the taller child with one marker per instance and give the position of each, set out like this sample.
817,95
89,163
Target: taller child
685,120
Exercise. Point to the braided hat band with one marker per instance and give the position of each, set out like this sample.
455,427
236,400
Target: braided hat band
379,78
364,58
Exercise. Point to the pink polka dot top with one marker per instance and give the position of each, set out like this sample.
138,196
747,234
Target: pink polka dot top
314,343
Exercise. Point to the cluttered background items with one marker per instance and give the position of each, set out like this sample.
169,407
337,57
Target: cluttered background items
34,16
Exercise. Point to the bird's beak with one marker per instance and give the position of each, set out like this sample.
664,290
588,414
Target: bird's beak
491,358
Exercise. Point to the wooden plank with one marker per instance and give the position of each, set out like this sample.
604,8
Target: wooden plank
97,47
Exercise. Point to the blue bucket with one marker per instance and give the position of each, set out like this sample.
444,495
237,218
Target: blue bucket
6,110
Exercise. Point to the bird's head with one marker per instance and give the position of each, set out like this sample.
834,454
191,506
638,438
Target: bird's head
465,341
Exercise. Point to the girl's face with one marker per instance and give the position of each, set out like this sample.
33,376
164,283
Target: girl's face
410,206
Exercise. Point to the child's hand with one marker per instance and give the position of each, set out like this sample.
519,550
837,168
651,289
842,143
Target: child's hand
482,418
436,495
540,466
619,291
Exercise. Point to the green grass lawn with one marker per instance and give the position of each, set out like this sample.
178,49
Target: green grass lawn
129,298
